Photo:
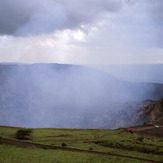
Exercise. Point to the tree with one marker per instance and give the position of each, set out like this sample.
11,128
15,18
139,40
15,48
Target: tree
23,133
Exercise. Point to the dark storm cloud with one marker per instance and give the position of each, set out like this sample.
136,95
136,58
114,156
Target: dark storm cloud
44,16
83,11
13,14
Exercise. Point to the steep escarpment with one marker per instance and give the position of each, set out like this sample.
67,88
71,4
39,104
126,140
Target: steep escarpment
131,114
152,111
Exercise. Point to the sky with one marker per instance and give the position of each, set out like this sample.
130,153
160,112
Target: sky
81,31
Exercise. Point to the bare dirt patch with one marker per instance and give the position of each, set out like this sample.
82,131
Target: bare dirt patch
149,130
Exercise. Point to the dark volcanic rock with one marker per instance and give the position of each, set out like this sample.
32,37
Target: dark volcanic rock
131,114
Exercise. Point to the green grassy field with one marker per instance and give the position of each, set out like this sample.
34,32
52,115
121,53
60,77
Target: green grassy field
101,140
12,154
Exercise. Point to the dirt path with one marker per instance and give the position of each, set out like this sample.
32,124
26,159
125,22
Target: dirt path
153,131
33,145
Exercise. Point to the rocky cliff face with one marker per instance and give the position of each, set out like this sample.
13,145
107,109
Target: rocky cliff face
152,110
131,114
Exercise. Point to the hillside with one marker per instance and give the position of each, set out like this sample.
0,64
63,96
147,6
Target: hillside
131,114
67,96
152,111
80,145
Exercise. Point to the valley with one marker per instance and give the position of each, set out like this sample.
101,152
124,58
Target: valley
70,96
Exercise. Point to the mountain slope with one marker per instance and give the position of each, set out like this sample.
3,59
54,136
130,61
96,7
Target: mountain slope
68,96
131,114
152,111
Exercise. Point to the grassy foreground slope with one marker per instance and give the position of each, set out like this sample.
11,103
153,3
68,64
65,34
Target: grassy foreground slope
115,142
25,155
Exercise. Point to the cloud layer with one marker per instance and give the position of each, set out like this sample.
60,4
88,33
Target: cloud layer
38,17
81,32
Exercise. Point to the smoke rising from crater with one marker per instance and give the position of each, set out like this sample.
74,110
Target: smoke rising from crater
71,31
65,96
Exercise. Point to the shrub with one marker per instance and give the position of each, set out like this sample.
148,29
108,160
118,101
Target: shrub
43,147
140,139
131,130
90,149
55,147
63,145
23,133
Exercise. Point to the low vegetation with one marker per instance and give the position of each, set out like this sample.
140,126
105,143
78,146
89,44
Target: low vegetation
116,142
23,133
13,154
64,145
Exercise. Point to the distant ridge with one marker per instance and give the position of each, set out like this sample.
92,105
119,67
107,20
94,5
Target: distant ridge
134,72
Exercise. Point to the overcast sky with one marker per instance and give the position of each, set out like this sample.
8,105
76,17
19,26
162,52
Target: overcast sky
81,31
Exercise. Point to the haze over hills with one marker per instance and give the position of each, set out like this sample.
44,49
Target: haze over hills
67,96
134,72
131,114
